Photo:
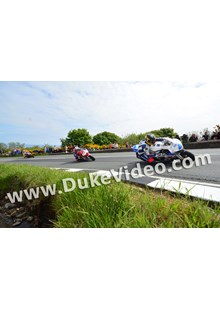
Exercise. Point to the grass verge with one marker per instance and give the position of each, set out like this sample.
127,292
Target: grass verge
116,205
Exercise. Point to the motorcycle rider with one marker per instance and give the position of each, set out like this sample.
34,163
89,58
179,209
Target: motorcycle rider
153,149
150,140
154,144
151,144
82,153
76,149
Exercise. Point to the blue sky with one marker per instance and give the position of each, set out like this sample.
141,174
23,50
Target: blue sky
44,112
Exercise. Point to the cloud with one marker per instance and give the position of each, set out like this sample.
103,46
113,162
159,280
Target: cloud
48,110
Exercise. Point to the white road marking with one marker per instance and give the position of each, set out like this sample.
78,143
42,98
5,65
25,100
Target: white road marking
68,169
207,191
74,170
188,188
106,172
188,181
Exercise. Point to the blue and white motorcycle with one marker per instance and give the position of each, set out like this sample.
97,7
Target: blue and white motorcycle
164,150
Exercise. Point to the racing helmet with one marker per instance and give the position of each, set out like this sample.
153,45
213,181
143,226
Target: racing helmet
76,149
150,139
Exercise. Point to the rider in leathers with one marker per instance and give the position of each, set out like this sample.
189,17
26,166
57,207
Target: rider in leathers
154,144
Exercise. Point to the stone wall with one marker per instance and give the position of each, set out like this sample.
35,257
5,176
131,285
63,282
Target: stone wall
202,144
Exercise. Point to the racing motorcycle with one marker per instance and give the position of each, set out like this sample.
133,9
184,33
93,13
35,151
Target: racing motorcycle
158,153
28,155
83,155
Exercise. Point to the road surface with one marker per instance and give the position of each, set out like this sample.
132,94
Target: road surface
210,173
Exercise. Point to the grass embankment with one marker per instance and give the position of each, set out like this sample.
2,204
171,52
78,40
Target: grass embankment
113,205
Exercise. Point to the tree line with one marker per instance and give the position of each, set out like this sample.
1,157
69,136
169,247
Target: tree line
11,145
82,137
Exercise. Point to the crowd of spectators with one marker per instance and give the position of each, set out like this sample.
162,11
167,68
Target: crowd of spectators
205,137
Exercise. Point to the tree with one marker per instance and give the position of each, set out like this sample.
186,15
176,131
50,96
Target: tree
15,145
77,137
3,146
105,137
136,138
164,132
133,138
63,142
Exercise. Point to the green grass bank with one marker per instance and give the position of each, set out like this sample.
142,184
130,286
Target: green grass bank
117,205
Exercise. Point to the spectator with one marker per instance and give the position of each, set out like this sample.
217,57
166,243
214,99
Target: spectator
177,137
193,138
214,136
216,133
127,145
206,136
185,138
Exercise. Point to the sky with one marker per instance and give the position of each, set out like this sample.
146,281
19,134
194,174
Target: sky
169,53
43,112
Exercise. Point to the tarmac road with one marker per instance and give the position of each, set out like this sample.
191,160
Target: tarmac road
210,173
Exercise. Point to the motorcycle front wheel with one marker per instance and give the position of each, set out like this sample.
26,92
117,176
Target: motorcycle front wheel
91,157
188,154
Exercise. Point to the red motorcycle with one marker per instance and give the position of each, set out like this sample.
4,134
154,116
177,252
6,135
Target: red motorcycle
28,155
82,155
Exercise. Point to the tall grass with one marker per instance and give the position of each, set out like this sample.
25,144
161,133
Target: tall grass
117,205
